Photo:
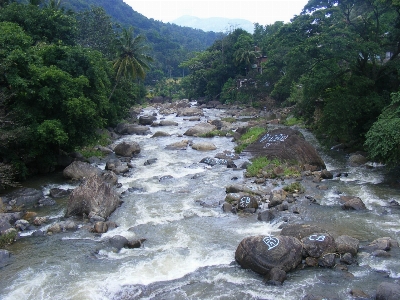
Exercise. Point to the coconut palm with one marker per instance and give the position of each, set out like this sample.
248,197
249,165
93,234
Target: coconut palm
132,59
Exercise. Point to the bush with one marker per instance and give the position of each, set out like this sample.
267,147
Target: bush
249,137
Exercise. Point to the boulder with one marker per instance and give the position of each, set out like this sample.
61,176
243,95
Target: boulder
301,231
356,160
23,197
267,215
189,112
126,128
388,291
147,120
247,201
200,129
79,170
318,244
276,198
286,144
168,123
118,241
347,244
213,161
227,155
204,146
94,196
352,203
59,193
264,253
182,145
160,134
327,260
384,243
127,149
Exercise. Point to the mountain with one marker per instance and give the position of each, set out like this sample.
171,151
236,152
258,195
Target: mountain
214,24
171,43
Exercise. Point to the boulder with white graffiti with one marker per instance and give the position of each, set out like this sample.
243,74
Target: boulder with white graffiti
264,253
317,244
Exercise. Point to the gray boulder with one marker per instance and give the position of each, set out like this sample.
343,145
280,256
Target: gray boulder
93,197
388,291
189,112
127,149
318,244
347,244
286,144
79,170
301,231
147,120
168,123
264,253
352,203
200,129
204,146
160,134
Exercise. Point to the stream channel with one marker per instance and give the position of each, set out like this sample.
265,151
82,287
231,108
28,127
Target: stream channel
190,242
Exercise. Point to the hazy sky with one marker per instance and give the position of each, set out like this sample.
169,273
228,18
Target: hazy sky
263,11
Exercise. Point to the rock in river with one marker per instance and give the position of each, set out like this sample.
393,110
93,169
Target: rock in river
263,253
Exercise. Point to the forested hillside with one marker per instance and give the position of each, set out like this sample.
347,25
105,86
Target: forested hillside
337,62
171,44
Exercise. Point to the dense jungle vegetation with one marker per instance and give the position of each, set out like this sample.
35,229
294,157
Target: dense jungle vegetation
67,71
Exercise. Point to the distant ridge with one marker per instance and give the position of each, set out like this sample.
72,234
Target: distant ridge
215,24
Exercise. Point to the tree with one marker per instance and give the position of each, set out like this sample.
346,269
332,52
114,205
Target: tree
383,139
132,59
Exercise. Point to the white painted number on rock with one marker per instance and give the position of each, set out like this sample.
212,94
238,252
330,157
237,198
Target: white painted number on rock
244,202
271,241
319,238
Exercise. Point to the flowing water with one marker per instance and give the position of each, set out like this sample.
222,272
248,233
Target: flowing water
190,243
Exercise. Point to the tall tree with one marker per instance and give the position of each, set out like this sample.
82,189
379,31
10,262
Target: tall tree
132,59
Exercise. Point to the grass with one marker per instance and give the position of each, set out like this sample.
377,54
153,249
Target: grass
214,133
89,151
229,120
291,121
267,167
249,137
8,238
294,187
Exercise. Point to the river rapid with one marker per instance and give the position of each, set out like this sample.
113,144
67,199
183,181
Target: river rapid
190,242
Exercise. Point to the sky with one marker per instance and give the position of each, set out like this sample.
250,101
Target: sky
263,12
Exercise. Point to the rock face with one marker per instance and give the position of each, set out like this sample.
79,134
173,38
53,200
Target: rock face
127,149
93,197
200,129
79,170
286,144
352,203
263,253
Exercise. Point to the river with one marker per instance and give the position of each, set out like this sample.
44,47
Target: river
190,242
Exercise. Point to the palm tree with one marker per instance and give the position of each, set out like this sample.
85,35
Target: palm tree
245,56
132,59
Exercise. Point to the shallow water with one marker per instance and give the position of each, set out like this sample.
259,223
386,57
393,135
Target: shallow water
190,243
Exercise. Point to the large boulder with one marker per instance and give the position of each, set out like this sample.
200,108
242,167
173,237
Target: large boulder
147,120
347,244
181,145
93,197
200,129
79,170
263,253
286,144
388,291
127,149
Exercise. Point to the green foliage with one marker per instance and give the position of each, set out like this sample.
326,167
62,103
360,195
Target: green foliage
214,133
270,167
291,121
8,238
295,187
383,139
248,138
